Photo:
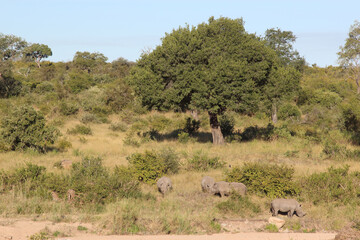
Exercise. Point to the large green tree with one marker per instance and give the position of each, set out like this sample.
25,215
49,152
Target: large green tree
349,55
215,66
37,52
282,42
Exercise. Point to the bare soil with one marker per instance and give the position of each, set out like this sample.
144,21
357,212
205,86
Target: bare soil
22,229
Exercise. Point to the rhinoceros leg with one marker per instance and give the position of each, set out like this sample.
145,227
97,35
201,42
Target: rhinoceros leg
290,213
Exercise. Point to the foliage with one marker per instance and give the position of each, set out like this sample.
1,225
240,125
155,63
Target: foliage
79,81
214,67
349,55
202,162
26,128
227,124
68,108
151,165
93,100
148,167
191,126
80,129
118,95
88,61
335,185
282,43
11,46
95,184
270,180
183,137
255,132
289,111
37,52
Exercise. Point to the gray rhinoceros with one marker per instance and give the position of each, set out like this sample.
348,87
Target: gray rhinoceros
222,188
239,188
164,185
207,183
289,206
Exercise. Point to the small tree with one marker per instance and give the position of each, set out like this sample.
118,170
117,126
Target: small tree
10,46
349,56
37,52
88,61
26,128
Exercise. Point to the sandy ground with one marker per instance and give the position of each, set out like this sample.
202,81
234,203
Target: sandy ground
22,229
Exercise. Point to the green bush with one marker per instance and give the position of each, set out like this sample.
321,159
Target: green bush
289,111
270,180
148,167
44,87
170,159
335,185
68,108
26,128
202,162
151,165
325,98
95,184
79,81
80,129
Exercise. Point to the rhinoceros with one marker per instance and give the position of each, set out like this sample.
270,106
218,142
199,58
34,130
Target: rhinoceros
239,188
288,206
164,185
222,188
207,183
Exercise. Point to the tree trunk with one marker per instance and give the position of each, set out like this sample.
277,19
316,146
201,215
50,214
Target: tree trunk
358,86
195,114
274,113
217,135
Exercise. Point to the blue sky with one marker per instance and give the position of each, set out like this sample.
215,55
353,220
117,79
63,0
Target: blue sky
126,28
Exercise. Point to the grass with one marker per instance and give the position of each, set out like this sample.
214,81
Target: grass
186,209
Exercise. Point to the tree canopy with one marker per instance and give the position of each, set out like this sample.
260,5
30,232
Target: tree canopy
10,46
37,52
216,66
282,43
349,55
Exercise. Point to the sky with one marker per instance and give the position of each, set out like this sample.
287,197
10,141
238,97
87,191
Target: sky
119,28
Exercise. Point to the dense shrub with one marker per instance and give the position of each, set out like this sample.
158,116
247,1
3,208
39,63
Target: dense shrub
93,100
202,162
92,182
151,165
148,167
95,183
289,111
79,81
80,129
118,95
335,185
26,128
271,180
325,98
171,160
68,108
44,87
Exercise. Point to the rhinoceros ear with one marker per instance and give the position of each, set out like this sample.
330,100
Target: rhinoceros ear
300,205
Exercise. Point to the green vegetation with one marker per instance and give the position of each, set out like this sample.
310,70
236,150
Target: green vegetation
289,130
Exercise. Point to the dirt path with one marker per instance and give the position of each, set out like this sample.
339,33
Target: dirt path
22,229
